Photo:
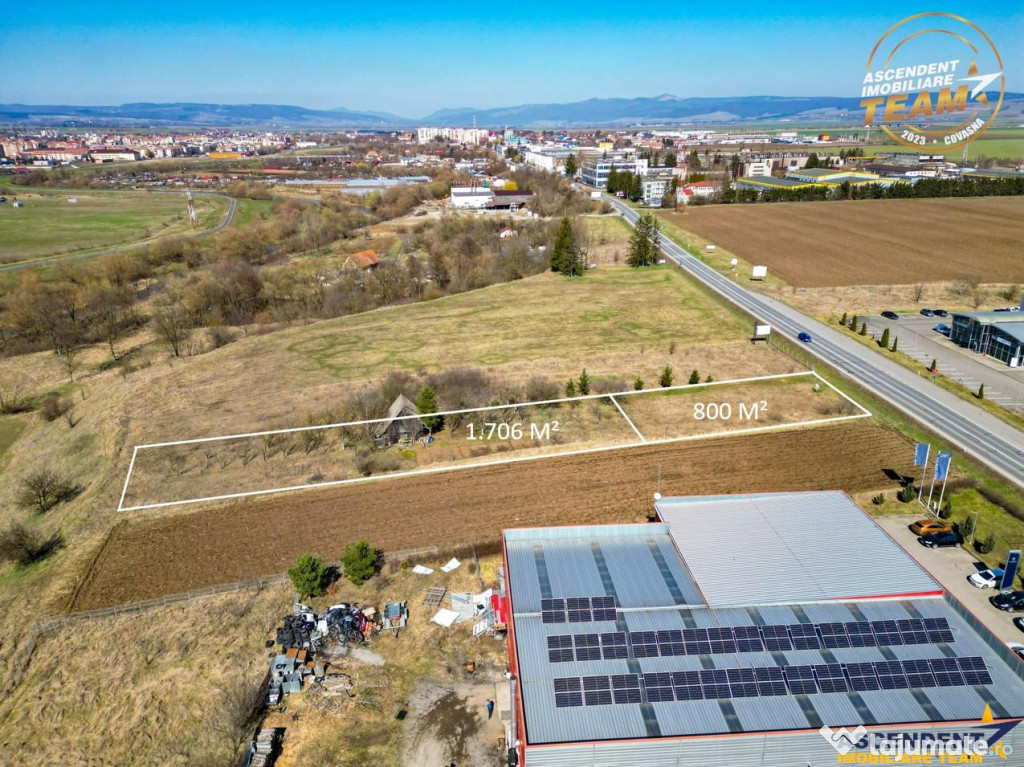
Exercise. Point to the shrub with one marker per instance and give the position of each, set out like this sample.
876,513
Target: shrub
933,367
665,379
361,561
308,576
967,528
853,322
906,493
946,511
45,488
879,499
709,379
583,386
540,389
895,344
609,385
570,388
694,377
843,321
885,338
981,391
24,546
53,407
986,544
638,383
863,328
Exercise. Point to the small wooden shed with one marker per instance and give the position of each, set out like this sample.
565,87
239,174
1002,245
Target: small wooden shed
403,424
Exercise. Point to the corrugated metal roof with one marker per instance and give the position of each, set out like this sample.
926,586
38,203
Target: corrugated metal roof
788,547
655,591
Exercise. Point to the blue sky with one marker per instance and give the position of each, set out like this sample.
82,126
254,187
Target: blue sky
414,60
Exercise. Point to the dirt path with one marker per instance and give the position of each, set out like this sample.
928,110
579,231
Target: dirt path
449,725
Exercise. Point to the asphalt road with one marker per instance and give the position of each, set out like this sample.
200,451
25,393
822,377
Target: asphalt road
224,224
974,431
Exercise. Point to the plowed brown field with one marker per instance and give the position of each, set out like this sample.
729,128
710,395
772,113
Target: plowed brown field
177,553
871,242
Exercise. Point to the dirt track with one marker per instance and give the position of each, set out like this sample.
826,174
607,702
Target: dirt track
177,553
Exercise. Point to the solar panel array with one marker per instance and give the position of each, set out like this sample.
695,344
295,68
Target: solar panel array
767,681
578,610
733,639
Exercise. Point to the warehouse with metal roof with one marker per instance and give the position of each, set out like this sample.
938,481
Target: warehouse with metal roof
731,631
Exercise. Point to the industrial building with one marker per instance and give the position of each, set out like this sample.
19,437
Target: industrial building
731,631
995,334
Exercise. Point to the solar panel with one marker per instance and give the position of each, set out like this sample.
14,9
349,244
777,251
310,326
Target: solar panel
696,641
597,691
659,687
645,644
947,672
687,685
974,670
552,610
804,636
770,681
776,638
887,633
578,609
860,634
613,645
800,680
742,683
919,673
568,692
912,631
603,608
722,641
670,643
715,683
748,638
830,677
862,677
938,630
833,635
588,647
626,688
560,648
890,675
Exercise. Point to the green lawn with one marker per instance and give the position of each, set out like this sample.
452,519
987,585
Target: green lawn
248,210
49,225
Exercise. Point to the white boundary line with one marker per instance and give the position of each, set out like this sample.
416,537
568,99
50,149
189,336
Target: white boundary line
505,461
127,479
479,409
628,420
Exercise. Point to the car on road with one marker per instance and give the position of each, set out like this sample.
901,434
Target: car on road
804,336
943,328
986,579
940,312
928,526
1010,601
941,540
889,315
927,312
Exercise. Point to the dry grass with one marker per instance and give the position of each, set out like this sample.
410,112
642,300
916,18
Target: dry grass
867,242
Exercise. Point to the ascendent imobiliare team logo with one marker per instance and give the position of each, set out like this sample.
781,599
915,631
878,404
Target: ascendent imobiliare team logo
932,82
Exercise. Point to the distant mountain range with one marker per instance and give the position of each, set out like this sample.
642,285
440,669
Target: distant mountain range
659,110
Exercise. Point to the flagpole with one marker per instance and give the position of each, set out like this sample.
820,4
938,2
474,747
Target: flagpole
944,477
931,488
924,470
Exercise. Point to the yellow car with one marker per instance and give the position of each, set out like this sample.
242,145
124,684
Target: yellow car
929,526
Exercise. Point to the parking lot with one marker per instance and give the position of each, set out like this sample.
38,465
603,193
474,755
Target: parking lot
918,339
950,567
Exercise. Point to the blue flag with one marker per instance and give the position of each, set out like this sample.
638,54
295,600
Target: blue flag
921,450
942,465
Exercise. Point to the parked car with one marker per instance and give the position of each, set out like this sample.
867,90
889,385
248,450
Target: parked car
927,526
1010,601
943,328
986,579
804,336
1017,647
941,540
940,312
1019,623
927,312
889,315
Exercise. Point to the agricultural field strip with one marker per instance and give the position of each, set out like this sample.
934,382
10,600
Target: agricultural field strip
864,413
628,419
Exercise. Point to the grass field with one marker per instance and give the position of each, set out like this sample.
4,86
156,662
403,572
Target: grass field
10,429
871,242
50,225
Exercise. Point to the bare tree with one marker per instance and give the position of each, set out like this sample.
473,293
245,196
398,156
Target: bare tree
240,701
918,292
45,488
172,325
14,388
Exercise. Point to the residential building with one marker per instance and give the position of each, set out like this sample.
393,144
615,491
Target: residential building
455,135
731,630
367,260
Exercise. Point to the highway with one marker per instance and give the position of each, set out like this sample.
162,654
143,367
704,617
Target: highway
977,433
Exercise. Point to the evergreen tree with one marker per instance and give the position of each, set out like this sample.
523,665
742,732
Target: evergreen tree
895,344
613,180
666,377
426,402
843,320
570,388
812,161
695,377
885,339
670,160
584,383
981,391
571,166
638,383
693,161
361,561
561,250
864,328
308,576
709,379
933,367
853,323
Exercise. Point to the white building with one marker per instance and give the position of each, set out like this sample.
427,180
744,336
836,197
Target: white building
470,197
456,135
